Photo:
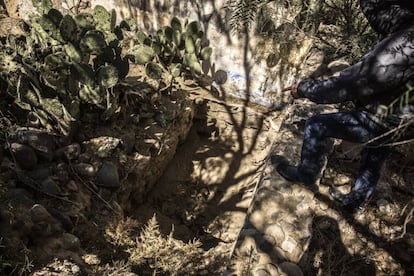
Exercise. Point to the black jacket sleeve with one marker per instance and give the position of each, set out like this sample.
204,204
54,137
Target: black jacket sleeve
382,73
334,90
388,16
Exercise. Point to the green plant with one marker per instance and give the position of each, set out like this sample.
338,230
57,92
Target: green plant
403,122
173,51
339,24
399,103
65,62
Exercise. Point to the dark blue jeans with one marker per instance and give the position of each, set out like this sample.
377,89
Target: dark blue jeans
353,126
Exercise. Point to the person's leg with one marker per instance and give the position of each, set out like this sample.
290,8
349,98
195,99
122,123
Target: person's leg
369,174
351,126
316,146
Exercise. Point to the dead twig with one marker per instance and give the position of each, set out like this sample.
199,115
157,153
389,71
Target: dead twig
407,220
91,189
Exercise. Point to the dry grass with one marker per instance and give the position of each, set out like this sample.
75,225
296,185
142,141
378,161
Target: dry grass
120,232
114,269
151,252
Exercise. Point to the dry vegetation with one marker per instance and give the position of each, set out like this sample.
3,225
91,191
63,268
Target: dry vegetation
148,248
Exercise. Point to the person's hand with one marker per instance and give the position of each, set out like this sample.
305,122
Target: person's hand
293,90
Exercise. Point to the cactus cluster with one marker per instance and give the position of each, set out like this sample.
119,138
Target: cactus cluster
66,64
63,62
176,49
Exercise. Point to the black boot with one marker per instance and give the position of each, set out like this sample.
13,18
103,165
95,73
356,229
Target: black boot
364,185
292,174
288,172
352,202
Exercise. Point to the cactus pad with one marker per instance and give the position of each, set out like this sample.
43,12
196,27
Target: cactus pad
93,42
107,76
68,28
142,54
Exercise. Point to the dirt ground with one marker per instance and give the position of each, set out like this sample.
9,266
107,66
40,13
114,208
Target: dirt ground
200,203
385,225
205,191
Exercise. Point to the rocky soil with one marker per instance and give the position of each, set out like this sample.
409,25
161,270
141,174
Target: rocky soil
58,196
174,199
71,208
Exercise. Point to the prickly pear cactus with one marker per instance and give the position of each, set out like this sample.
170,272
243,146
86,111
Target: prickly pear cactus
178,49
64,62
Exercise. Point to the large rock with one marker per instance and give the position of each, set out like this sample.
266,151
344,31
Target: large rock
12,26
19,8
43,142
24,155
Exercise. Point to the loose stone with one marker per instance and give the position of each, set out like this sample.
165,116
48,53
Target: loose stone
276,232
72,186
289,245
70,152
39,213
108,175
63,218
42,142
62,172
85,169
261,272
70,242
25,156
291,269
50,187
39,173
20,196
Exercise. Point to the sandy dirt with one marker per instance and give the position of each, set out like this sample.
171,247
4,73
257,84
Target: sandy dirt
205,191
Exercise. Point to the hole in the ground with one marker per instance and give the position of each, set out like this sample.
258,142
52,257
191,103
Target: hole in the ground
202,190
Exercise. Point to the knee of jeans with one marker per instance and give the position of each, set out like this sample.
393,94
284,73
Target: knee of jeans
314,127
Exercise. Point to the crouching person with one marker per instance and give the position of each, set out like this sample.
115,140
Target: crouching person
380,87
